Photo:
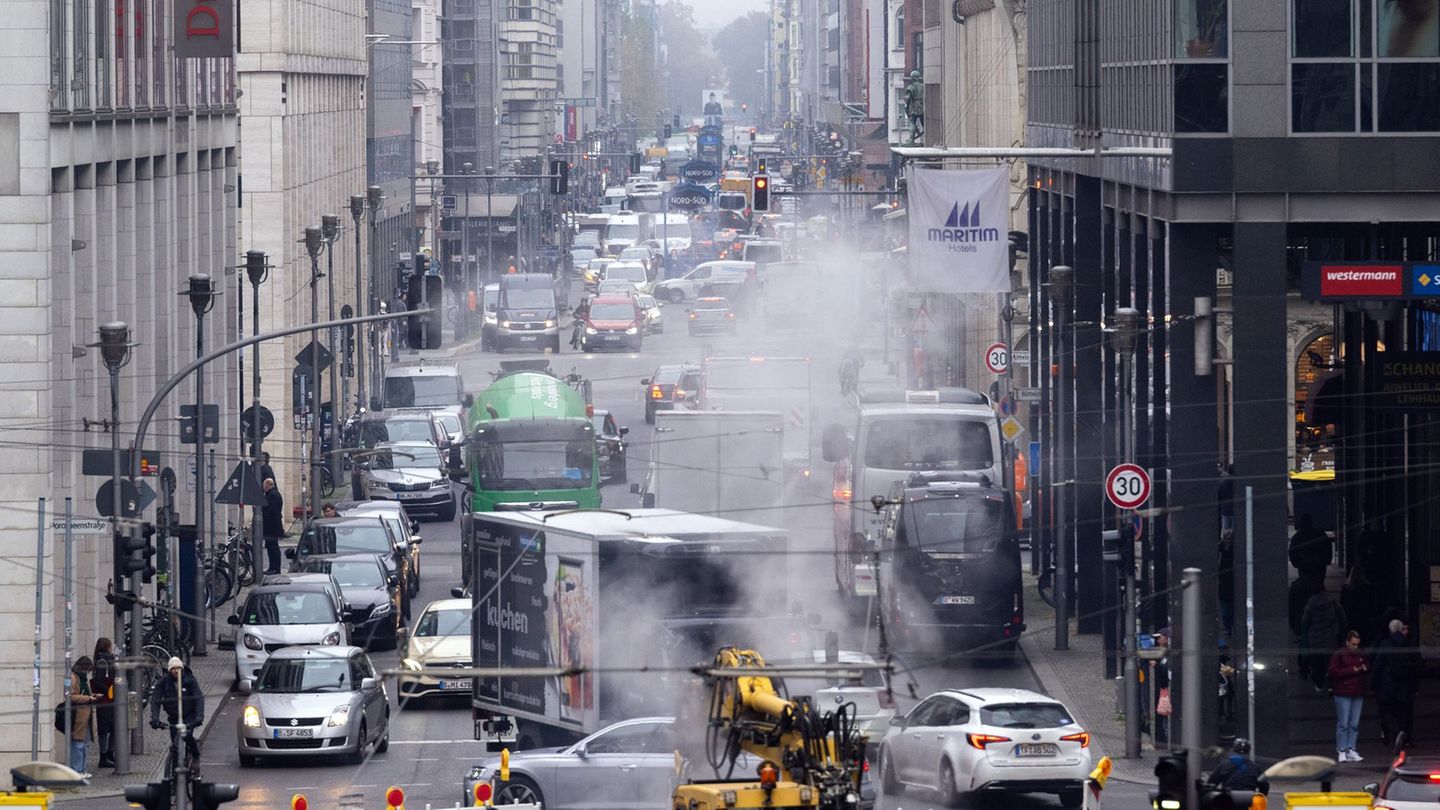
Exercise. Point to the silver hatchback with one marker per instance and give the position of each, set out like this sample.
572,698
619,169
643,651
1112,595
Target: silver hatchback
314,701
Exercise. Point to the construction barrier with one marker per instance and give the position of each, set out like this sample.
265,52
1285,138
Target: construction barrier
1356,800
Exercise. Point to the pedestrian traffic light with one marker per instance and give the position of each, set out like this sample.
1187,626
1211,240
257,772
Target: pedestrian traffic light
209,795
760,193
424,292
1171,777
559,177
152,796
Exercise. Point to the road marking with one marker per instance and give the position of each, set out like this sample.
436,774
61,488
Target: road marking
431,742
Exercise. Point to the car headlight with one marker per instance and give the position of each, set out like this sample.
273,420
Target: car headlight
377,485
549,323
590,330
340,716
411,664
632,330
505,324
252,717
331,640
439,483
253,643
381,609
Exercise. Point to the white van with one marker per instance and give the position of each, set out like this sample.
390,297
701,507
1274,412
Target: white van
688,286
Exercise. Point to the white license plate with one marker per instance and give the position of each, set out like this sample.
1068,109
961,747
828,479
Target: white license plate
282,733
524,338
410,496
465,684
957,600
1036,750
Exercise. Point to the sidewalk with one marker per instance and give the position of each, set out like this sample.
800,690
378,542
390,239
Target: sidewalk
1075,677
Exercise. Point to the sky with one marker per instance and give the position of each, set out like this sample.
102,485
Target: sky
714,14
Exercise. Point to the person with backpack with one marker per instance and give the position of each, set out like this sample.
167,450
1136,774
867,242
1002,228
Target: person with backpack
1321,629
82,702
1238,771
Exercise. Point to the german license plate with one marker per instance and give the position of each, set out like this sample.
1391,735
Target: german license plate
525,338
1036,750
957,600
283,733
447,685
410,496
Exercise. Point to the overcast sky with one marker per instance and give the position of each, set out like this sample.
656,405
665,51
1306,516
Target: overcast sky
712,14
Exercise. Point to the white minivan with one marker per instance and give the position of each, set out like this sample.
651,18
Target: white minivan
284,615
688,286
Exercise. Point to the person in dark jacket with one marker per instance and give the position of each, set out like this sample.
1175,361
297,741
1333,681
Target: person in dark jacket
1238,771
273,524
1300,592
180,695
1396,679
102,684
1321,628
1311,549
1349,673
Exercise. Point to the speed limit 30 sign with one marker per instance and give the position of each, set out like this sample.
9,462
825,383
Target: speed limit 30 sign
997,358
1127,486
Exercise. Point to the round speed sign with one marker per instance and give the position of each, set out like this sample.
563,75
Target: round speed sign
997,358
1127,486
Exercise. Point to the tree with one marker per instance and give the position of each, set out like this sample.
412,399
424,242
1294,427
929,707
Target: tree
690,63
642,90
741,49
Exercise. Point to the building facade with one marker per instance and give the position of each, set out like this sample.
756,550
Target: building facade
529,79
471,34
118,171
427,111
390,137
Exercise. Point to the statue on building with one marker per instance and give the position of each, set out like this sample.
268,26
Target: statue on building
915,105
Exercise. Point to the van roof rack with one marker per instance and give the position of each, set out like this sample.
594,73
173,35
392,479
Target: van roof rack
876,394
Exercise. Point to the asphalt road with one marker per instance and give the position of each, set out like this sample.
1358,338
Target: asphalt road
431,747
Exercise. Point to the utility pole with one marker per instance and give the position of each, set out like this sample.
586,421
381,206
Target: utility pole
257,269
115,346
202,294
1126,325
373,198
314,241
357,212
330,229
1062,288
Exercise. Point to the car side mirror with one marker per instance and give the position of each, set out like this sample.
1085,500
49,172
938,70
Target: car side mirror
645,381
347,616
457,593
647,500
234,618
1372,788
247,685
367,684
417,540
469,400
624,431
581,752
392,580
898,721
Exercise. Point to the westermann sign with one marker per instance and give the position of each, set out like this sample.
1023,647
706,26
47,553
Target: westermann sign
958,226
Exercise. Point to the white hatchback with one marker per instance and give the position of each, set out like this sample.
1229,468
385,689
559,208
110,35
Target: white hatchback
968,741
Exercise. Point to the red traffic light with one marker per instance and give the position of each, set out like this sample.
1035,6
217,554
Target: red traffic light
394,797
760,182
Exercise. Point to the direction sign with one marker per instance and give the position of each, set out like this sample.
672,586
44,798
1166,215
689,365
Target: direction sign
699,171
1027,394
997,358
1020,357
689,196
1127,486
134,498
305,356
247,422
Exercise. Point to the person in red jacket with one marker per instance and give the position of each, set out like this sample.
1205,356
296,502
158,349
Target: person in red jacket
1349,671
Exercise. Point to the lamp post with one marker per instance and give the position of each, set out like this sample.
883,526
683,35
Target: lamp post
357,213
1061,292
257,269
330,230
202,294
1125,331
114,346
373,198
467,279
490,224
314,242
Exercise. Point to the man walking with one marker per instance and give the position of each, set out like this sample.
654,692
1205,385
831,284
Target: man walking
1396,680
273,524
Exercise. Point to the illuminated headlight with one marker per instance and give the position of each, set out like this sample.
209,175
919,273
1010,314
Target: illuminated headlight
411,664
331,640
632,330
252,717
549,323
253,642
505,324
340,716
590,330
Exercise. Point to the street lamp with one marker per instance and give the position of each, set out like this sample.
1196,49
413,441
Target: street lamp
257,269
1124,333
490,224
115,346
314,242
330,230
202,294
1061,293
357,213
373,198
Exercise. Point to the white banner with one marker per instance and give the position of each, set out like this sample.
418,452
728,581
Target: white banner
959,230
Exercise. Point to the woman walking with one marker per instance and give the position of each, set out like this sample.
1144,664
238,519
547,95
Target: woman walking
102,685
1349,672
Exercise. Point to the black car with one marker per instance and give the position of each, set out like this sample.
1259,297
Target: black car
357,535
668,386
711,315
372,593
610,446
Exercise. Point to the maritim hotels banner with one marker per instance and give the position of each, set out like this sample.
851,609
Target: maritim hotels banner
959,230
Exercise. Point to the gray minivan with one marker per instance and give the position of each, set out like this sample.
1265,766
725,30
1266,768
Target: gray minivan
527,313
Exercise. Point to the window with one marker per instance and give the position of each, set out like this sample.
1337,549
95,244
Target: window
1202,97
1202,29
1322,97
636,739
900,27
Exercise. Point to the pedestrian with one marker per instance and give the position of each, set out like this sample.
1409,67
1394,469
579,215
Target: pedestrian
102,686
1320,630
82,701
1361,603
328,510
1396,679
1349,672
1238,771
180,695
266,471
273,524
1311,549
1301,589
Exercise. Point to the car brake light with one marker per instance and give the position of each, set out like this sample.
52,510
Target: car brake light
1435,777
1082,737
841,494
729,314
981,740
866,766
656,393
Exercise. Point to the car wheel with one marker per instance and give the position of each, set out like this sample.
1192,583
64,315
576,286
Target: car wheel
1072,797
889,785
449,512
519,790
384,744
676,296
358,756
949,793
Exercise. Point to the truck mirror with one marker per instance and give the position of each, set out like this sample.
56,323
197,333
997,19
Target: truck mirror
634,489
834,443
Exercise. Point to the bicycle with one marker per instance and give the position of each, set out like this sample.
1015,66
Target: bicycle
192,750
1045,585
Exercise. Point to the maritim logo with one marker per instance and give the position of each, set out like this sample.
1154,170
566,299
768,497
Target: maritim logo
963,229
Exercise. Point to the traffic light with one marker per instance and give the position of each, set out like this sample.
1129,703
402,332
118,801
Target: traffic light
634,162
209,795
760,165
760,192
425,291
668,131
559,176
1171,777
153,796
133,554
752,134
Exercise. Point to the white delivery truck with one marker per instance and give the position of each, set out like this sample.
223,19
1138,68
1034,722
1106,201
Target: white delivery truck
729,464
779,384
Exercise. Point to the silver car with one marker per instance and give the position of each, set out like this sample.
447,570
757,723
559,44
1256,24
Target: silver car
412,473
314,701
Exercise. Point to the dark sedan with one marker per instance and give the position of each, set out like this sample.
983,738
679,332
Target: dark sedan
372,593
610,446
712,315
668,386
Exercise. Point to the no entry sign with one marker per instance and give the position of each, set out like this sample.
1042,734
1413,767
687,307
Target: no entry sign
1127,486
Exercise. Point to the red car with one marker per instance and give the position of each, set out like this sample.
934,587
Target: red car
612,321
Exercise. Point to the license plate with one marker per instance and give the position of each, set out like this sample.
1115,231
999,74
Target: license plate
465,684
524,338
283,733
957,600
410,496
1036,750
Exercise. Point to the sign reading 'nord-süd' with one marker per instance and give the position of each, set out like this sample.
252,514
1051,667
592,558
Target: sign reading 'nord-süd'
1404,380
699,171
689,196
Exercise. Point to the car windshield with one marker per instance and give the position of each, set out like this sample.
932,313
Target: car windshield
615,311
920,443
535,464
809,686
412,457
450,422
635,253
527,298
347,539
305,675
955,525
667,375
616,271
447,622
622,231
421,392
396,430
349,573
295,607
1025,715
582,254
1412,789
646,301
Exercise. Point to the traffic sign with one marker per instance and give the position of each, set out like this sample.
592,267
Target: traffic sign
211,419
241,488
1020,357
81,525
134,498
1011,428
1007,405
1127,486
997,358
305,356
247,422
447,202
1027,394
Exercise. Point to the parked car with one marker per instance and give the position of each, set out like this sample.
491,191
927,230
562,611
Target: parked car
970,741
610,446
1411,783
654,317
372,594
669,385
412,473
313,701
283,615
440,638
359,534
712,315
402,526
